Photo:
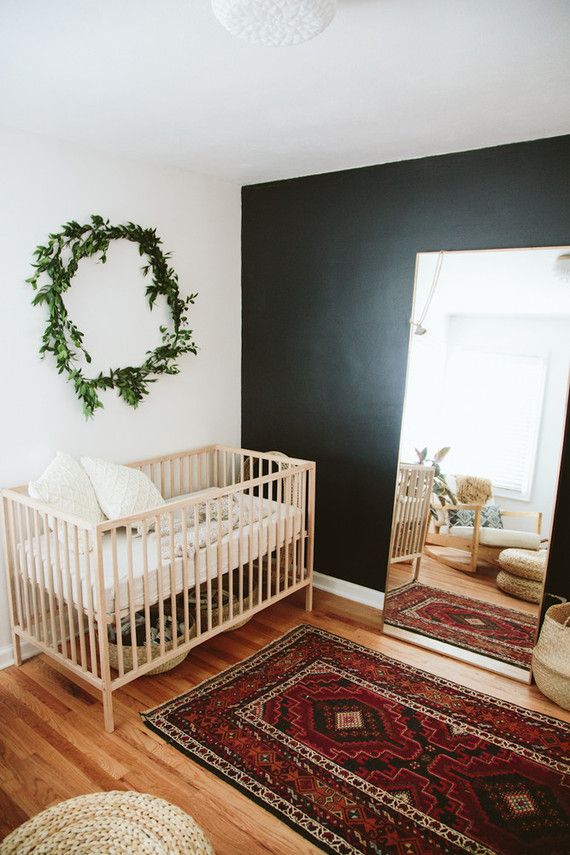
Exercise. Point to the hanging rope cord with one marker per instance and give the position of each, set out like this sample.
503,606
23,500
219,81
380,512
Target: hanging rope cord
435,280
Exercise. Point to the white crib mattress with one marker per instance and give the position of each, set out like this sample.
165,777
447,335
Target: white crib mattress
161,577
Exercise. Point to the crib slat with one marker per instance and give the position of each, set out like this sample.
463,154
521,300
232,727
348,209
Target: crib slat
40,577
172,581
240,553
146,594
287,485
159,571
303,522
24,547
80,615
219,561
16,565
50,586
117,603
208,566
60,587
270,525
32,573
250,541
197,572
185,575
90,614
130,588
69,594
279,497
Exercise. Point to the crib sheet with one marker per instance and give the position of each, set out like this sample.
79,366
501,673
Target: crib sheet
162,578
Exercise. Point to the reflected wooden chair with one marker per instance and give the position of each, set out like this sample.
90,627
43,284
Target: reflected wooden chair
478,543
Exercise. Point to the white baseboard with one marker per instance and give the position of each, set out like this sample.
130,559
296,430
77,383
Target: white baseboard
348,590
7,654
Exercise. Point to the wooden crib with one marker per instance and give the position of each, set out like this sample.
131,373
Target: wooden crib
235,536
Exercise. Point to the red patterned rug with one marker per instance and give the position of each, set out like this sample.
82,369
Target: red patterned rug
504,634
363,754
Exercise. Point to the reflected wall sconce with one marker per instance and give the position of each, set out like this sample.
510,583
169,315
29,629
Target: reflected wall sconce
419,324
562,266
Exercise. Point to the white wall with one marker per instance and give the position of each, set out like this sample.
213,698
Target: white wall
44,183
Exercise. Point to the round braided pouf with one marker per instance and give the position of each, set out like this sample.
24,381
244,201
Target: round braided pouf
116,823
526,563
524,589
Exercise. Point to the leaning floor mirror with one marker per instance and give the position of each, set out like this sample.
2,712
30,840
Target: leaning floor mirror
482,431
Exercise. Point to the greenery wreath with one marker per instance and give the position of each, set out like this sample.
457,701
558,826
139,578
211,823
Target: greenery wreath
58,260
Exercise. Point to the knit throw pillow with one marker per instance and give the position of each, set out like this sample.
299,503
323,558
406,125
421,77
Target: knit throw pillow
66,487
121,490
490,517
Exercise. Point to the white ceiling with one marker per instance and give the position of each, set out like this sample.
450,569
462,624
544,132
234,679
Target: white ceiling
161,80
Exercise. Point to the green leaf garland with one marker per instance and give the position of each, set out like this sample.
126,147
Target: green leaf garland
58,261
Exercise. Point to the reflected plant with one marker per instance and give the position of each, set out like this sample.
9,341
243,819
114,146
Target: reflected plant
441,489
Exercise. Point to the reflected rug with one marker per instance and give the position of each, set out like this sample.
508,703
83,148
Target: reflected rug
364,754
495,631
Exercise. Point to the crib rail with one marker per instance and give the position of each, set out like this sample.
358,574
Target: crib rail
129,596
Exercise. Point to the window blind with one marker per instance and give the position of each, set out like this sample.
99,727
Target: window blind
492,411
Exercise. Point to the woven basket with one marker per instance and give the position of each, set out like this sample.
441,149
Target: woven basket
248,601
551,656
136,823
524,589
154,653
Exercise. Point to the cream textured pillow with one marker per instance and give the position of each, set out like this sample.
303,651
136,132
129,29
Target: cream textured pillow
121,490
66,487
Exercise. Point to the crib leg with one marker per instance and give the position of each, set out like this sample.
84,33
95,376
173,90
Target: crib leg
108,710
17,647
309,598
416,566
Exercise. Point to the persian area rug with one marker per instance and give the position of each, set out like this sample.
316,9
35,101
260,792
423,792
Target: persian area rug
504,634
363,754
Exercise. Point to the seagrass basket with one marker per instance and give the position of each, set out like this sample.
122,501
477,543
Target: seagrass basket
551,656
249,598
154,653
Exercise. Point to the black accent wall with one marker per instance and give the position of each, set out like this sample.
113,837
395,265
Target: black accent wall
327,279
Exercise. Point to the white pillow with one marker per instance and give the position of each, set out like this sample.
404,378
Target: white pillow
66,487
121,490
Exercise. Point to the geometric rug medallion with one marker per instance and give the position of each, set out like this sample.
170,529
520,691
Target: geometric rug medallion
363,754
495,631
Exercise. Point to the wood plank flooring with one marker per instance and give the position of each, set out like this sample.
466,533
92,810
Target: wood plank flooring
53,747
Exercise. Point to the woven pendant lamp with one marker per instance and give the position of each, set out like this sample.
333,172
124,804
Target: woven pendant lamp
274,23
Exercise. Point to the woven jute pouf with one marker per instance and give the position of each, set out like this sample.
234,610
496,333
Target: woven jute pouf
117,822
525,563
524,589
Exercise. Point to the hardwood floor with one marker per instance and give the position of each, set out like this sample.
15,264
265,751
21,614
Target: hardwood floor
53,747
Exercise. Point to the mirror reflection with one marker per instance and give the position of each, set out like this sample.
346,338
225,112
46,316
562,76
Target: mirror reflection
482,430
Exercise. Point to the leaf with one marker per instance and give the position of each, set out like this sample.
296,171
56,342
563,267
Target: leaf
443,452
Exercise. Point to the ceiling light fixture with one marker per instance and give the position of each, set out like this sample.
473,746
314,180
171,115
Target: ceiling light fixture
274,22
